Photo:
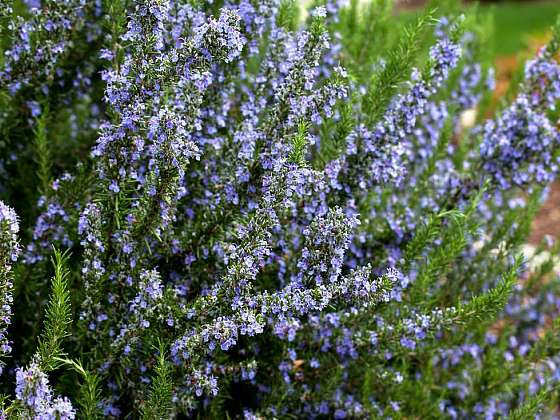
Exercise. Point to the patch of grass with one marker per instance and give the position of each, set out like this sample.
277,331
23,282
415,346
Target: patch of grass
517,22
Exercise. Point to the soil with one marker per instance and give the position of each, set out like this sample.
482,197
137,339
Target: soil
547,221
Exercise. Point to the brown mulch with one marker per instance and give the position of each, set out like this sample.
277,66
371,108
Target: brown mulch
547,221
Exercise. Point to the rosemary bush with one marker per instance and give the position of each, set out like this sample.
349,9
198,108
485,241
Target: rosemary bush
233,209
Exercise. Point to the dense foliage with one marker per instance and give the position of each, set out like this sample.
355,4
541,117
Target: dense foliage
240,209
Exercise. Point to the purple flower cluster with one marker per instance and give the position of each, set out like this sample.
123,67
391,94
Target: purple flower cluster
36,396
384,147
9,252
49,225
163,123
221,35
10,228
40,43
239,209
518,147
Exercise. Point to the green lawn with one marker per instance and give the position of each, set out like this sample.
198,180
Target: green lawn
516,22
